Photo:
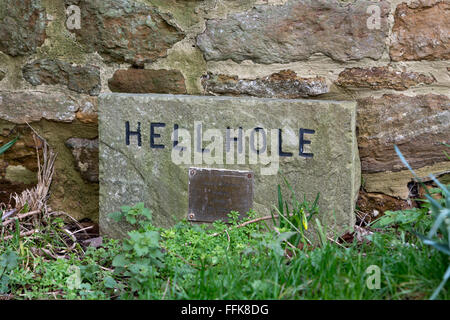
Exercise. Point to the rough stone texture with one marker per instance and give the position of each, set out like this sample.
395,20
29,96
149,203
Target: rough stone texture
22,153
22,26
395,184
421,31
381,78
284,84
69,192
417,125
7,188
53,116
21,174
85,153
130,174
88,113
147,81
296,30
126,30
28,106
300,34
82,79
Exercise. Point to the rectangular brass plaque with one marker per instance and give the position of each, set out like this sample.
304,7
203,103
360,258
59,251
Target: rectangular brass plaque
214,193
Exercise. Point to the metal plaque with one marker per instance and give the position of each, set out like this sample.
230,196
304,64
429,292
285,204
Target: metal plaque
214,193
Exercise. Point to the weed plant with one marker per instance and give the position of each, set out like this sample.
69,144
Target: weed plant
191,262
240,260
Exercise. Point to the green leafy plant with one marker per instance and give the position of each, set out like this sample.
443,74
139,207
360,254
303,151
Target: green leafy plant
137,214
295,218
8,261
8,145
141,256
438,236
404,219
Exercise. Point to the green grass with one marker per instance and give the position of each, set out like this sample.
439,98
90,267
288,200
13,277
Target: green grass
242,263
8,145
408,270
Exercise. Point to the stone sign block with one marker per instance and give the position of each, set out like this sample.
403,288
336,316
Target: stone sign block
149,142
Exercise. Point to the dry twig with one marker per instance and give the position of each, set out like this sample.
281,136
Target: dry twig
36,197
22,234
20,216
246,223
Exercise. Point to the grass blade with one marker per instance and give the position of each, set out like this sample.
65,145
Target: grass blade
441,285
8,145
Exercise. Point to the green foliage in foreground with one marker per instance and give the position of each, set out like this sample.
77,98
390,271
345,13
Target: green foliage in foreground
8,145
439,235
189,262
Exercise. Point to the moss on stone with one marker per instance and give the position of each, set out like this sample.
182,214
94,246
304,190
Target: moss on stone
60,43
187,58
183,12
69,192
20,174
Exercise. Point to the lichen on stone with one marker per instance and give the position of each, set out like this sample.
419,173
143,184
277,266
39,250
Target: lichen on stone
284,84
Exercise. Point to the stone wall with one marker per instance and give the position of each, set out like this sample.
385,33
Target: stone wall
389,56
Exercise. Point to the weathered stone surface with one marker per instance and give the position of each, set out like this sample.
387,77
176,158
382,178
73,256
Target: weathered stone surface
2,75
396,183
147,81
126,30
284,84
29,106
417,125
88,112
69,191
381,78
157,176
7,188
21,174
22,153
296,30
85,153
82,79
421,31
22,26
